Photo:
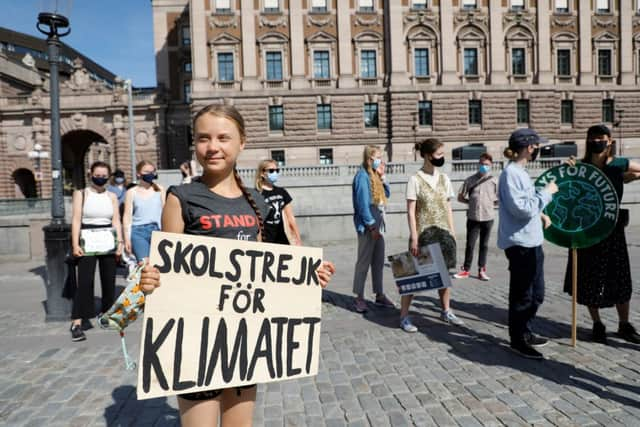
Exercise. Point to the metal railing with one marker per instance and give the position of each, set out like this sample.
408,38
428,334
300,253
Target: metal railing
10,207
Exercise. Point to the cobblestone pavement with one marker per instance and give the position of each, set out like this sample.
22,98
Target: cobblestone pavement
371,372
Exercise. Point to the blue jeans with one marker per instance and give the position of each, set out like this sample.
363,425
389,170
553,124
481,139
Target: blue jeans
141,239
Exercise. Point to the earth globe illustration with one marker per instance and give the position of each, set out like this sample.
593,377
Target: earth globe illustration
577,206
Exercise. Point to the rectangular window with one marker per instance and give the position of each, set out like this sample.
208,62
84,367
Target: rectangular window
368,64
566,112
419,4
422,62
470,62
518,64
223,6
607,110
225,66
187,92
278,156
475,113
562,6
523,111
604,62
564,62
187,67
272,6
425,114
318,5
517,4
274,66
370,115
323,113
602,6
365,5
321,64
186,35
469,4
276,118
326,156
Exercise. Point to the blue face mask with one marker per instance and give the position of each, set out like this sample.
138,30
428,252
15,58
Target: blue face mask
376,163
149,177
484,168
273,177
119,180
99,181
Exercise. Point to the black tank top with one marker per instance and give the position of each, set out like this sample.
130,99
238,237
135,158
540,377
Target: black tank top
206,213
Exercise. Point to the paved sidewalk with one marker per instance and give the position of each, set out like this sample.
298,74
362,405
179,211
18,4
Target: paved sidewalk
371,372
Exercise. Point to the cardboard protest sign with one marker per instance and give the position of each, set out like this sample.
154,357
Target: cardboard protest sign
425,272
584,211
228,313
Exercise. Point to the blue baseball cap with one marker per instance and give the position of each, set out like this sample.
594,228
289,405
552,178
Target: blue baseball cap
524,137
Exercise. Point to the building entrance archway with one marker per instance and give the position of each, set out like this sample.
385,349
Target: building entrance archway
25,184
80,148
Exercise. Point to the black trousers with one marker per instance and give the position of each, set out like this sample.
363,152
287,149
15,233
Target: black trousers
475,228
526,288
83,305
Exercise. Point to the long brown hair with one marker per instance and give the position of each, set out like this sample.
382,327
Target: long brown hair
377,189
229,112
144,163
261,167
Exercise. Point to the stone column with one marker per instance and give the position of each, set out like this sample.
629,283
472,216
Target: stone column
160,41
448,46
199,51
298,55
345,47
586,59
626,42
497,43
545,73
399,76
250,77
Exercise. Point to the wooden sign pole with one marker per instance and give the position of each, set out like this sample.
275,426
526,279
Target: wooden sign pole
574,294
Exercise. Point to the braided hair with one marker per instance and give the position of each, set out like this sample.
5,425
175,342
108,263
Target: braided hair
231,113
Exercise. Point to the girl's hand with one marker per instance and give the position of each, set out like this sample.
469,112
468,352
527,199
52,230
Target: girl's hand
630,176
546,221
127,247
413,246
149,279
77,251
571,161
325,271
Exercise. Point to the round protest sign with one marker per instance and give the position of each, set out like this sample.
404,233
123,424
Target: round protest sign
584,211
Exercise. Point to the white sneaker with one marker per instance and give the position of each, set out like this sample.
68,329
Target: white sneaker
449,317
406,325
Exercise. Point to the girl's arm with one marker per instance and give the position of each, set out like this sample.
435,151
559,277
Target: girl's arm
450,219
126,218
76,222
413,232
633,173
293,226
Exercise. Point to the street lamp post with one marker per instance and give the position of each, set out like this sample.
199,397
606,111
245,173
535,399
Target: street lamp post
37,154
132,142
57,233
620,114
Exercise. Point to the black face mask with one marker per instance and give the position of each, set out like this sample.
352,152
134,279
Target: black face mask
99,181
534,155
149,177
598,147
437,162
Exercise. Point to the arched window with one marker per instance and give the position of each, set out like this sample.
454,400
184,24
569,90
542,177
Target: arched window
472,54
321,54
225,58
423,64
274,53
520,54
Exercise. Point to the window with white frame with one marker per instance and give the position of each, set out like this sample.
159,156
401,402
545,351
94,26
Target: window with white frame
271,6
321,61
564,62
608,110
520,43
421,62
319,6
274,66
222,6
603,6
522,112
469,4
471,42
604,62
517,4
470,61
323,115
276,118
566,112
419,4
518,61
425,113
423,49
371,115
365,5
475,112
561,6
225,67
368,69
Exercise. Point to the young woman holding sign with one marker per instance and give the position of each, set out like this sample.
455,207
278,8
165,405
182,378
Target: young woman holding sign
219,137
604,271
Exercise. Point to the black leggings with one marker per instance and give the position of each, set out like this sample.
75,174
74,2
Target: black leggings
83,305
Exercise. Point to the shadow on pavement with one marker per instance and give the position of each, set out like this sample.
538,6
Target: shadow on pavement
126,409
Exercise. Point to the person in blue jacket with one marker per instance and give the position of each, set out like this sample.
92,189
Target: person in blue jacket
370,191
520,235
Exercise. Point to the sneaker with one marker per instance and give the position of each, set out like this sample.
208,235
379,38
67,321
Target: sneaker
525,350
383,301
627,332
360,305
534,340
482,274
407,326
599,333
462,274
449,317
77,334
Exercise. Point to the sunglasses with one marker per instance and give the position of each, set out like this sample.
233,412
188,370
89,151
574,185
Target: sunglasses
273,170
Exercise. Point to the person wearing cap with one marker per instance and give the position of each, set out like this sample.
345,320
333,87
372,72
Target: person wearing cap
118,186
605,281
520,235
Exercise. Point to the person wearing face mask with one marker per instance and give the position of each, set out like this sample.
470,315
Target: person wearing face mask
520,235
430,220
604,270
369,194
280,225
142,211
118,186
94,208
480,192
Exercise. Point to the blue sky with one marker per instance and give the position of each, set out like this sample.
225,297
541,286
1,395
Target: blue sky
117,34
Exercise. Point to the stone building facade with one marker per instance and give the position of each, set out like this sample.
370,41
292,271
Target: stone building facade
317,79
